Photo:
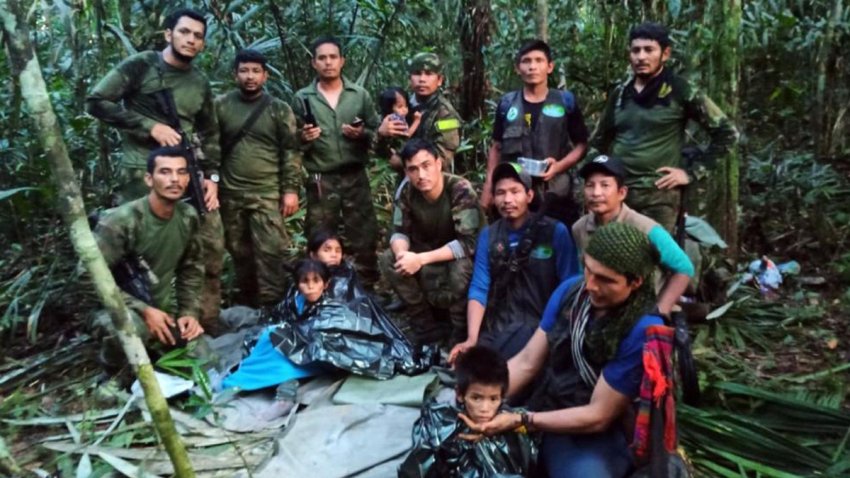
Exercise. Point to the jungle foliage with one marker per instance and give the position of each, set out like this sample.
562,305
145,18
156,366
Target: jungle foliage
780,67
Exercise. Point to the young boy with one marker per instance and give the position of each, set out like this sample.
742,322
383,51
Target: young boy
440,450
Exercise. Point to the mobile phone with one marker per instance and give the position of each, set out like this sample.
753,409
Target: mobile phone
358,122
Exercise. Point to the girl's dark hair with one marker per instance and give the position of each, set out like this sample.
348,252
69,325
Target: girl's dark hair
305,267
386,100
319,237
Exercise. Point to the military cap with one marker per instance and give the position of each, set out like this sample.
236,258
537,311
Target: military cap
426,61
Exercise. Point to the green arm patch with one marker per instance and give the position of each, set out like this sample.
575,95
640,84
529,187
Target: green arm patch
447,124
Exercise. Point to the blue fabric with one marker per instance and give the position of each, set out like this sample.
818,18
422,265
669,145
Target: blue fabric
624,372
673,258
566,261
265,367
596,455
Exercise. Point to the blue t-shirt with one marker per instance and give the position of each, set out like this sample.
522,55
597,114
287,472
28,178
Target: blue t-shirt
566,261
625,371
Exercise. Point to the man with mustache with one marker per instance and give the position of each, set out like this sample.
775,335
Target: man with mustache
338,122
644,124
436,220
160,231
519,260
127,99
260,180
604,195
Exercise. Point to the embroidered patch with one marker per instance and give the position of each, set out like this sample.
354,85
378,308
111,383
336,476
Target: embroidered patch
512,113
447,124
542,252
554,111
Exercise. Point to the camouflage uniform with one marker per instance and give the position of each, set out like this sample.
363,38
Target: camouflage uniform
255,173
124,99
440,123
440,289
650,136
338,190
172,249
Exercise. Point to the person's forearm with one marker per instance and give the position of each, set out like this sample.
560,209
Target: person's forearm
398,246
673,288
573,157
494,155
474,318
443,254
583,419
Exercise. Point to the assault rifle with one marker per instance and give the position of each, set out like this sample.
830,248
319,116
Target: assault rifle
135,277
195,193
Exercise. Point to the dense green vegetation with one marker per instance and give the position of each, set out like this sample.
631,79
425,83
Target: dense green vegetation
778,66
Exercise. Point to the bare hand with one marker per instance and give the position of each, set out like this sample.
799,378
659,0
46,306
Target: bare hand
391,127
211,194
189,327
460,349
673,178
552,169
165,135
310,133
499,424
158,323
408,263
353,132
289,204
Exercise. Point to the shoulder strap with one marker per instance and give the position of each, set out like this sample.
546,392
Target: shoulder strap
252,118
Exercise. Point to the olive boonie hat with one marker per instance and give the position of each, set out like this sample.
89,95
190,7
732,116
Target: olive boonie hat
513,171
608,165
425,61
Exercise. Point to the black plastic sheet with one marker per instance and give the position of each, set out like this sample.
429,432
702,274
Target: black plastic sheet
439,452
346,329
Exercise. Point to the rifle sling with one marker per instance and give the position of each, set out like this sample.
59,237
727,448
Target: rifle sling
249,122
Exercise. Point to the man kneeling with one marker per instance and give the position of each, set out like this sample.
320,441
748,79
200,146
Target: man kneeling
592,333
157,237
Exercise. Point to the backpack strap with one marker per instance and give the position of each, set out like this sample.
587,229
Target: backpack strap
249,122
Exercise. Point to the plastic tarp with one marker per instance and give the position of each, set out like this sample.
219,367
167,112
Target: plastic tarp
345,329
439,452
266,367
399,390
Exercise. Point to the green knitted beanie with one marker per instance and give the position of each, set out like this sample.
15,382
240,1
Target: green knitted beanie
624,248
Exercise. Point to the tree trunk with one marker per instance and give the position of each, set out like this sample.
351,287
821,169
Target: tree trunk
34,91
723,192
541,20
475,23
822,118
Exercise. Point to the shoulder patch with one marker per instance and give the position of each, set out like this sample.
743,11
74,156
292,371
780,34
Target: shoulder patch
447,124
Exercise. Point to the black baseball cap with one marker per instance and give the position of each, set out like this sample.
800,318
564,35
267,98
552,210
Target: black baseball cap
608,165
513,171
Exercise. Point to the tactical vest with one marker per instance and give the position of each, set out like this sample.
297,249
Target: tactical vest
548,138
561,385
522,279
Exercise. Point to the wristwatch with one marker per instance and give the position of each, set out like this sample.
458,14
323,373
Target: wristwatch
214,178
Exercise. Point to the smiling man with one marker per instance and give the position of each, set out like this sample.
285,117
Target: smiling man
162,232
520,259
129,99
587,358
429,264
440,123
644,124
541,123
335,137
260,180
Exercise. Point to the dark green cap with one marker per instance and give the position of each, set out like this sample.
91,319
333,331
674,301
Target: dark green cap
624,248
426,61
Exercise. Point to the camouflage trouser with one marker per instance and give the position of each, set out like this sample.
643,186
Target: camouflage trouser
436,291
346,199
130,185
256,238
660,205
111,355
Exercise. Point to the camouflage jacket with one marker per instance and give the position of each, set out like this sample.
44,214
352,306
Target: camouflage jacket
440,124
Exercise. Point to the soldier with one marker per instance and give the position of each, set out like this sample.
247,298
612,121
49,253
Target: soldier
644,125
540,123
160,231
339,121
440,124
128,98
429,264
520,259
260,180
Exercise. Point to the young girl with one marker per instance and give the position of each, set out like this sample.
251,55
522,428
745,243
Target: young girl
393,101
325,247
313,278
